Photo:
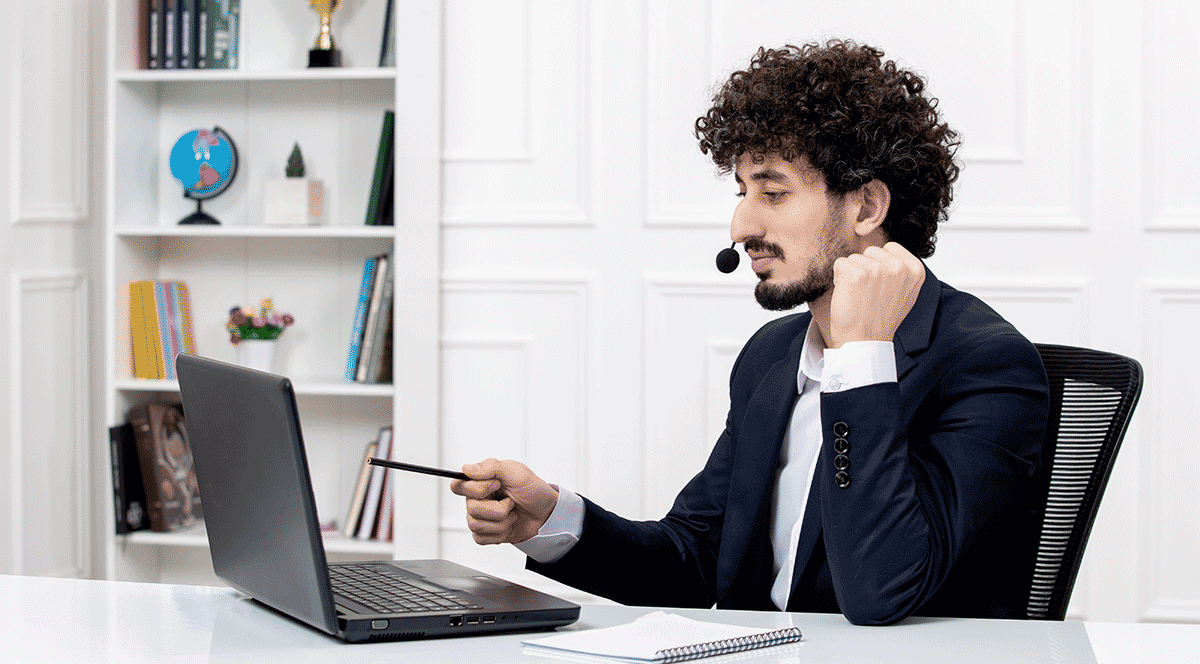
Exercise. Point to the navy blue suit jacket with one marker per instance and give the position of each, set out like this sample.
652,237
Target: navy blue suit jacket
935,518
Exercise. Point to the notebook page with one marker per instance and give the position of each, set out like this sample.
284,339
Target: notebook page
648,637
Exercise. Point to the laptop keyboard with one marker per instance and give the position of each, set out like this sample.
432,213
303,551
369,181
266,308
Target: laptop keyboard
388,593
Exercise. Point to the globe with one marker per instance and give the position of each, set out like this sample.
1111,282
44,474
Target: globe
205,163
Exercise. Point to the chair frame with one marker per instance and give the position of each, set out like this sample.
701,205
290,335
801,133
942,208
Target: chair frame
1066,504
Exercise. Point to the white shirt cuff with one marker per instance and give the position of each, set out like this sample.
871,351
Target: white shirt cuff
858,364
560,532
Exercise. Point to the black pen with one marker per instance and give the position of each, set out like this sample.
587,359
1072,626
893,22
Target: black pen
398,465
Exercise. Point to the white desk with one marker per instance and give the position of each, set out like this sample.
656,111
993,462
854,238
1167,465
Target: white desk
67,620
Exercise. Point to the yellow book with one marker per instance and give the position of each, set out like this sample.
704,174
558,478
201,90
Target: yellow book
145,341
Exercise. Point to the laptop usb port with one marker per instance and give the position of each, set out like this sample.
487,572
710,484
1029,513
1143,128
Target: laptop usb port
473,620
487,620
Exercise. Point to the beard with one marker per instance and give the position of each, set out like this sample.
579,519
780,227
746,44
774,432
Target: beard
817,279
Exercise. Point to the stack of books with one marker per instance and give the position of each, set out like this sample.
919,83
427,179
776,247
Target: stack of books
370,356
160,327
371,508
189,34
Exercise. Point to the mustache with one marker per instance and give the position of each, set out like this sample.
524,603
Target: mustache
760,245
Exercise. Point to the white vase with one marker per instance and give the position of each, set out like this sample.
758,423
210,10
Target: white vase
257,354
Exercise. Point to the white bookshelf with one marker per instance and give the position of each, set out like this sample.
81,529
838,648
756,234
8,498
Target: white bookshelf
335,115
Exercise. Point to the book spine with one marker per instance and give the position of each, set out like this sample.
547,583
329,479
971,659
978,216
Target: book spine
360,312
371,502
139,419
377,181
183,298
364,352
146,34
350,528
199,50
383,325
233,31
129,496
184,30
170,43
163,308
143,326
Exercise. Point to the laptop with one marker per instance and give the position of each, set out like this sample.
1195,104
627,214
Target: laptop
264,537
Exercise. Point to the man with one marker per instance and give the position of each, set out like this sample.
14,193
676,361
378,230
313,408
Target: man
878,453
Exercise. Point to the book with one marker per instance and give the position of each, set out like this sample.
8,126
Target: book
360,315
383,329
165,459
366,525
382,273
170,34
387,49
224,17
196,34
145,35
662,637
183,28
387,199
375,200
145,342
350,527
129,496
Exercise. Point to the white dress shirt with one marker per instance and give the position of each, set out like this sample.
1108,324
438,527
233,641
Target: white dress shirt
855,364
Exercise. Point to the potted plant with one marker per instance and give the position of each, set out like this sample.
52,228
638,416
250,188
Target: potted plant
254,332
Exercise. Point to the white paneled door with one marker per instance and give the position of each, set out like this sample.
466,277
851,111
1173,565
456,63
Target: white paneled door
46,445
586,331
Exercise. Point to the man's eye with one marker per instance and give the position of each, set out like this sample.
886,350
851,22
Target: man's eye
740,194
773,195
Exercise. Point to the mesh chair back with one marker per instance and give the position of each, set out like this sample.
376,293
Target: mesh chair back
1092,395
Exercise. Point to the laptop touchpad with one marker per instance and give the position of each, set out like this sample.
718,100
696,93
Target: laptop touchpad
476,585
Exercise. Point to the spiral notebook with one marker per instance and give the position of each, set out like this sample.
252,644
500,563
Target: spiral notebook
661,637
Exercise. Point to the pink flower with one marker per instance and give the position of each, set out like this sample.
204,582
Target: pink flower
259,321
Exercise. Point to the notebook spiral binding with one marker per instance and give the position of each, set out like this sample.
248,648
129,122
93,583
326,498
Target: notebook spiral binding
726,646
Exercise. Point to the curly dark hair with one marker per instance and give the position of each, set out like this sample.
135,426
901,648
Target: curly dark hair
853,116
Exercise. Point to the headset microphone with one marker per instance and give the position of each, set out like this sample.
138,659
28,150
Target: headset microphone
727,259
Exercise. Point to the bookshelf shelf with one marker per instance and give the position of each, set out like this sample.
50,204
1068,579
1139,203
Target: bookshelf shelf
336,115
302,387
243,76
196,537
334,232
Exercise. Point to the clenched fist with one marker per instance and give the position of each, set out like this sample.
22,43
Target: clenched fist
872,293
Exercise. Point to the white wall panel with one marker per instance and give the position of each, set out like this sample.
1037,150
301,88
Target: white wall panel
47,141
1172,544
516,150
1172,133
50,481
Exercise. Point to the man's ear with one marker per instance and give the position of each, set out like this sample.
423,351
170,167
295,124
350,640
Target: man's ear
874,200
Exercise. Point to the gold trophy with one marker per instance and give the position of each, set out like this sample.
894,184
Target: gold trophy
324,53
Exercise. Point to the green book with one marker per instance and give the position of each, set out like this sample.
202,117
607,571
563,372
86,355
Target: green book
378,188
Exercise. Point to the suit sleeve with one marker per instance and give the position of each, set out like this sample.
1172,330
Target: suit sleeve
669,562
900,503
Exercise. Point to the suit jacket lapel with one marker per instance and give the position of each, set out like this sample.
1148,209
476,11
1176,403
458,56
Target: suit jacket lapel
760,437
913,336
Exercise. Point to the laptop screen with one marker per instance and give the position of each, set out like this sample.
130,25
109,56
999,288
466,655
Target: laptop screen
259,508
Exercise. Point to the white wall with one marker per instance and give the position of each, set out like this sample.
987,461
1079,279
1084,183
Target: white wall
587,333
47,449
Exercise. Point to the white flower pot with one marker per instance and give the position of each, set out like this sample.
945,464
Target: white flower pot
257,354
293,202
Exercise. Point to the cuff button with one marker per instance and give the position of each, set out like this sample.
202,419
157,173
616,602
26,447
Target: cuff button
840,429
841,462
842,479
841,445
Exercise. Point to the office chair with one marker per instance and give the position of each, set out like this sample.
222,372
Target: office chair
1092,395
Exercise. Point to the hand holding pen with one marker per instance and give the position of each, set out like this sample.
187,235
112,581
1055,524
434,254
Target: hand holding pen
506,502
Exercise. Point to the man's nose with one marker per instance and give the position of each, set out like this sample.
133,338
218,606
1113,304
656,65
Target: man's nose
745,223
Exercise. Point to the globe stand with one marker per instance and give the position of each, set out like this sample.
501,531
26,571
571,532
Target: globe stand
199,217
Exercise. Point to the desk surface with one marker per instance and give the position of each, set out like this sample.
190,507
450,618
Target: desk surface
70,620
